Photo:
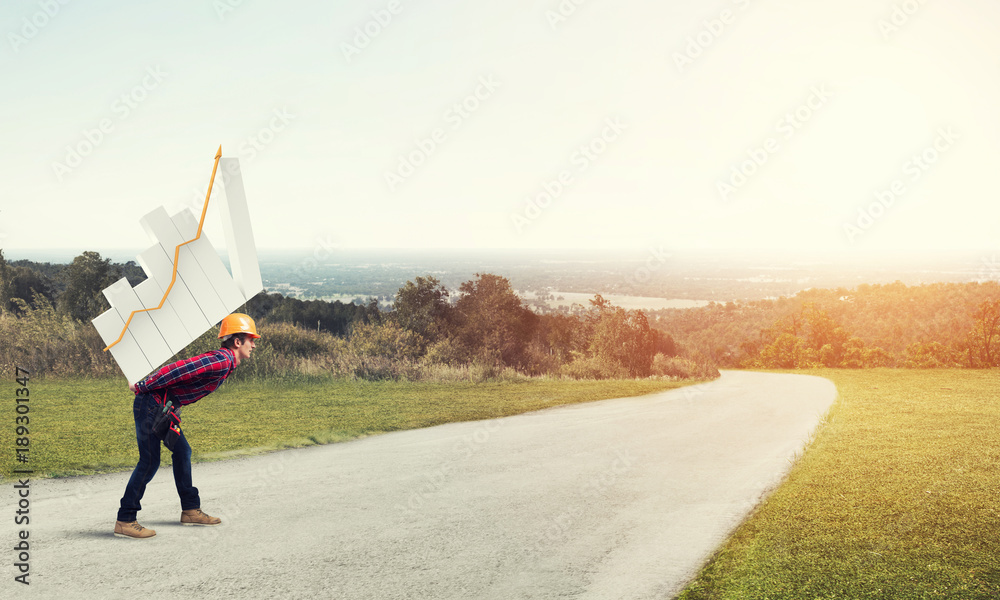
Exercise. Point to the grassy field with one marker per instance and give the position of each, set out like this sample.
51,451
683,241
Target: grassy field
81,426
898,497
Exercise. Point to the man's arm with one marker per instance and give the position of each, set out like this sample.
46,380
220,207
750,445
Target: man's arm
200,367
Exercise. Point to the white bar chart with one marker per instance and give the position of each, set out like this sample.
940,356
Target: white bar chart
147,325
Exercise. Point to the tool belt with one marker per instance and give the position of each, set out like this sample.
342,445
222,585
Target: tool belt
167,423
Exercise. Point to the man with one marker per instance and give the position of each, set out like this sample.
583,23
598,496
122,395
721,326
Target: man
183,382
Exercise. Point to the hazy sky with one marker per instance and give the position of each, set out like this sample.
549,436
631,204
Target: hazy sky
426,123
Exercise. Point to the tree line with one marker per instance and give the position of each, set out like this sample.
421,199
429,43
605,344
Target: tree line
892,325
483,323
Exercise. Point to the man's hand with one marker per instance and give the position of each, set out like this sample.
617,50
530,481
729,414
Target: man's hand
131,387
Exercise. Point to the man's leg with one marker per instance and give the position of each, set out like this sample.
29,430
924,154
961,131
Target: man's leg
143,410
182,475
190,501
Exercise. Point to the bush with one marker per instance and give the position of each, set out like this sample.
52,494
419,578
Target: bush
47,343
594,368
929,355
288,340
536,360
677,367
446,352
384,340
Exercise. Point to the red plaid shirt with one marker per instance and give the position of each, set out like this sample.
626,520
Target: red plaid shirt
191,379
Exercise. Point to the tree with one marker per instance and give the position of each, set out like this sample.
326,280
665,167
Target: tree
929,355
824,336
855,354
665,344
86,279
133,272
422,307
623,337
784,353
5,293
562,335
18,282
985,335
28,285
371,312
491,323
334,317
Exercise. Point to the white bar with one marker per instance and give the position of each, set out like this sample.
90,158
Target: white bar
239,233
160,268
210,262
126,353
165,318
122,298
159,226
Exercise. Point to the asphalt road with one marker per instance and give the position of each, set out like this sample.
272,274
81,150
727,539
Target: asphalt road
618,499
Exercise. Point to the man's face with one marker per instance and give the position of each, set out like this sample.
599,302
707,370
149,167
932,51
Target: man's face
243,349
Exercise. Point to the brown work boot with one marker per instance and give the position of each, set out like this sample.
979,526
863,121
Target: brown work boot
196,517
132,530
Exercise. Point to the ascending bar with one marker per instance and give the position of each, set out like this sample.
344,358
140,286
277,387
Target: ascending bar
122,298
160,268
239,233
126,353
210,262
166,320
158,225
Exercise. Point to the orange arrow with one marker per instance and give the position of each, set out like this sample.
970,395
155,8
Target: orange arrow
177,253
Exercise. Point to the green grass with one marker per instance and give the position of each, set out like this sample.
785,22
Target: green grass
897,497
83,426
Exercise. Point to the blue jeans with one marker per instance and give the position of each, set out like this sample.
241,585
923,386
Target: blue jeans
144,408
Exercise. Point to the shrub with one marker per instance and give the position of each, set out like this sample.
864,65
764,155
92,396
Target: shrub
445,352
288,340
929,355
594,368
536,360
384,340
677,367
47,343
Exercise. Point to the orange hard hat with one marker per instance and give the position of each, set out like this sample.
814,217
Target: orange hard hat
238,323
